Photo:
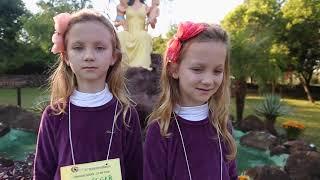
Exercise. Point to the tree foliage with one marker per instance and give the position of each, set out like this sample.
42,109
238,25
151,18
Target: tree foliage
25,38
10,24
40,27
253,28
289,31
160,43
302,35
270,37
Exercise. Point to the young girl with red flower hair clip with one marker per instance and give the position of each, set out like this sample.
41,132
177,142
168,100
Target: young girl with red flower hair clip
90,130
189,135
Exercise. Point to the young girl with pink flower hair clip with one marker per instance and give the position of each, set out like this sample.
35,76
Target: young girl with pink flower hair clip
90,130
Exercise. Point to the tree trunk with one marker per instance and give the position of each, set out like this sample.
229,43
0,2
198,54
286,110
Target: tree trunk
240,95
273,87
269,125
308,77
305,87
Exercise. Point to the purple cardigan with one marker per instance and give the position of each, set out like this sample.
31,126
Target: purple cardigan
164,157
90,139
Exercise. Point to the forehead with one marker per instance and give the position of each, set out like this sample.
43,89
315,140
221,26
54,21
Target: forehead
90,31
207,53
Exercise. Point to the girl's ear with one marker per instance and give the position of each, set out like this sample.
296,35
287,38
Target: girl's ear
116,57
173,70
65,58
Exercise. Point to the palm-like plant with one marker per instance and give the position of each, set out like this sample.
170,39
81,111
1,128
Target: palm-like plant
40,104
271,108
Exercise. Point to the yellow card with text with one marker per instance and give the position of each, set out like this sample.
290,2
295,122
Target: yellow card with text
99,170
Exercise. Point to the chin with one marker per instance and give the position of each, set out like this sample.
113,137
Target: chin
203,102
204,99
200,102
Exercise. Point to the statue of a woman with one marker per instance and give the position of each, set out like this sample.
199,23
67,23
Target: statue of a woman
135,17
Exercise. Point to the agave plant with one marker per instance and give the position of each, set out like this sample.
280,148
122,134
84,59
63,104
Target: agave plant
271,108
40,104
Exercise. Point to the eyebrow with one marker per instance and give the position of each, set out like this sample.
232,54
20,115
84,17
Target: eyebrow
201,64
95,43
77,42
220,65
100,43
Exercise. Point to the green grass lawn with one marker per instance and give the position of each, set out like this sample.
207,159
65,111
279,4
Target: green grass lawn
29,96
301,110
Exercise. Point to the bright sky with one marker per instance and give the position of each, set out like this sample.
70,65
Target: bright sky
171,11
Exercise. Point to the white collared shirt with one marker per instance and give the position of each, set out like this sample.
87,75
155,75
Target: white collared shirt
91,99
194,113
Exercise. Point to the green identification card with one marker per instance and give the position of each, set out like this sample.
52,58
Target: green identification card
99,170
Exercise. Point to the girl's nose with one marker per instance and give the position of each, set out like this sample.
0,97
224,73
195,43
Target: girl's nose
208,80
89,55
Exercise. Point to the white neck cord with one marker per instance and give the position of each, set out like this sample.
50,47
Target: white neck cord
185,152
112,131
70,139
110,142
184,149
221,158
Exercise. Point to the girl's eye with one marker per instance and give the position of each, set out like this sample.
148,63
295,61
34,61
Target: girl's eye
100,48
196,69
218,71
77,48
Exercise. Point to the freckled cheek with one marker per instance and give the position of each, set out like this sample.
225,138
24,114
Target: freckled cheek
74,54
103,54
219,79
193,76
197,79
75,59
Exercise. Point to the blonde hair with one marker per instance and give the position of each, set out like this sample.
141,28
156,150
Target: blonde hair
218,103
63,81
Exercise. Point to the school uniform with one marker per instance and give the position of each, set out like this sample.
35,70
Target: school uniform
164,157
90,133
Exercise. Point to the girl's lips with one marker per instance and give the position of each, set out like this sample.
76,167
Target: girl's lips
204,89
89,68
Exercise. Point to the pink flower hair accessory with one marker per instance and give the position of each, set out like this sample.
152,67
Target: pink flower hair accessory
186,30
61,22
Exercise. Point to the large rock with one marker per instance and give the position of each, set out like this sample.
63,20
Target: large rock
303,165
252,123
258,139
4,129
297,145
291,147
156,62
279,149
19,118
267,173
143,86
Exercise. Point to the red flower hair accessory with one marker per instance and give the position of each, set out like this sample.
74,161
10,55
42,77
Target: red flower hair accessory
61,22
186,30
